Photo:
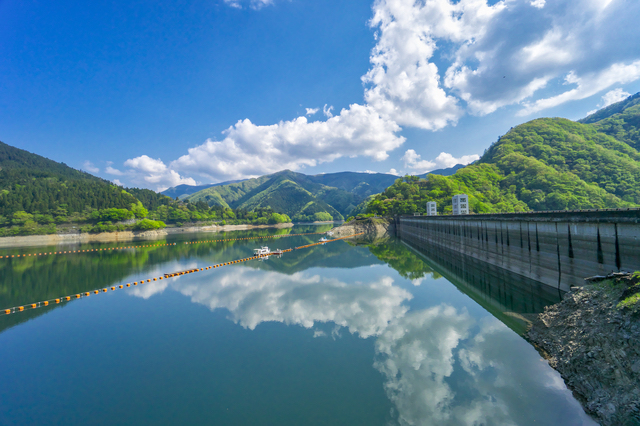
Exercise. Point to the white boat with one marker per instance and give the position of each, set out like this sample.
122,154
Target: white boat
323,240
261,251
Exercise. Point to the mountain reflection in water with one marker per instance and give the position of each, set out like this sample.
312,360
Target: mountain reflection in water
442,351
440,364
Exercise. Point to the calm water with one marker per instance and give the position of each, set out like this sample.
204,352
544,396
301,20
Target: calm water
332,335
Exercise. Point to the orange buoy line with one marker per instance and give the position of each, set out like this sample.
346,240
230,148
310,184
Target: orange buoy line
62,299
104,249
109,249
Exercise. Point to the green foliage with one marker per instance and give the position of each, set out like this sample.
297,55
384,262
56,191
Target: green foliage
322,217
148,224
545,164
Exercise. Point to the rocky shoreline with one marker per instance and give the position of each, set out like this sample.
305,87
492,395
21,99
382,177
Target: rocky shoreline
592,338
373,228
77,237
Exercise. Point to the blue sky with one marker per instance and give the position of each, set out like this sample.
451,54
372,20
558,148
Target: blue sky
155,94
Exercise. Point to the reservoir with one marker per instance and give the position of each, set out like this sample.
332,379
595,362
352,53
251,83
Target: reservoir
343,333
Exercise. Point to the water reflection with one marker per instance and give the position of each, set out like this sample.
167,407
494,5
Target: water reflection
441,364
443,356
253,297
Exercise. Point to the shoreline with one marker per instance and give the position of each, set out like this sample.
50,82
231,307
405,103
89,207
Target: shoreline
593,340
106,237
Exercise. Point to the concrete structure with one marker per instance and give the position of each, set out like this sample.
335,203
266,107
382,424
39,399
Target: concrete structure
558,249
460,204
431,208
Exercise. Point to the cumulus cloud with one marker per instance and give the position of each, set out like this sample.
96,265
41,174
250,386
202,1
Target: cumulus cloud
433,62
90,167
611,97
151,171
250,150
416,164
491,56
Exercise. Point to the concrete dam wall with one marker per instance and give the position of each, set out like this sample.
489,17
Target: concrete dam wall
558,249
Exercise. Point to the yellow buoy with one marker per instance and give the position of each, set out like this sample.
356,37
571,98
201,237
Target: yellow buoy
104,290
21,308
78,296
113,288
96,291
86,294
57,300
135,283
7,311
33,306
46,303
120,286
128,285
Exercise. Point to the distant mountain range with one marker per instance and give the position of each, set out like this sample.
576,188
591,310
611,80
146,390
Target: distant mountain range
298,195
544,164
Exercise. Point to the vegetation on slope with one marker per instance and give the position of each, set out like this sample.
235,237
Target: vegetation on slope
545,164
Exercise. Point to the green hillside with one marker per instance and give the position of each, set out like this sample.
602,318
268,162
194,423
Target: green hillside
37,185
36,194
304,198
545,164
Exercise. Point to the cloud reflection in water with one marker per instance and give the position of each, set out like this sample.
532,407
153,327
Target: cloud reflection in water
440,365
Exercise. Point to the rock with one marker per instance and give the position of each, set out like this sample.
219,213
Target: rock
596,348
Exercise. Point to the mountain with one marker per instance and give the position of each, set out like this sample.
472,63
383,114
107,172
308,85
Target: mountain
544,164
183,191
443,172
620,120
36,185
300,196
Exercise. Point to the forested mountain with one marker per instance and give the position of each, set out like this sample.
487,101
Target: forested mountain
183,191
304,198
36,193
34,184
545,164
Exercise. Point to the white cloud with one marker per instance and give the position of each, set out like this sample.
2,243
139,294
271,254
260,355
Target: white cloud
492,56
110,170
613,96
393,172
609,98
249,150
254,4
413,161
89,167
587,85
153,172
117,182
435,61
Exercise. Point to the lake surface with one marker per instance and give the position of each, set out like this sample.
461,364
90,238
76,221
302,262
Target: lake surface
335,334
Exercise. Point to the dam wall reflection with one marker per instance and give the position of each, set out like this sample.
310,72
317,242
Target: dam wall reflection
558,249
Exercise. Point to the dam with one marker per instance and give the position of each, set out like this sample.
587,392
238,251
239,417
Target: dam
558,249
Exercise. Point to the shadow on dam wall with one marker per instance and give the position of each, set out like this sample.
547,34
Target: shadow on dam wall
508,296
557,249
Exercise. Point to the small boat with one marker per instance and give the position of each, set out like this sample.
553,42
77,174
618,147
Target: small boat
261,251
323,240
